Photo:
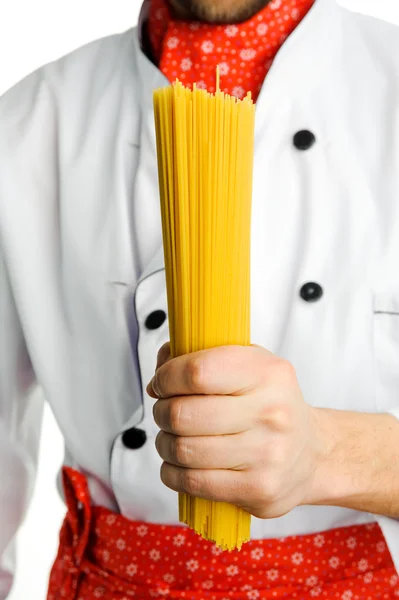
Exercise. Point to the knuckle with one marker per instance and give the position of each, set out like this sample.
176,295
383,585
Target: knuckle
176,416
282,417
158,384
257,490
264,489
272,489
267,511
165,475
158,443
181,453
191,483
156,411
194,373
287,372
269,368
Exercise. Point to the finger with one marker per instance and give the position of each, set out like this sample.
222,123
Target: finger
206,415
234,487
226,370
234,452
162,358
163,355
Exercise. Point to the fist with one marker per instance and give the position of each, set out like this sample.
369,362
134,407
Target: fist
235,428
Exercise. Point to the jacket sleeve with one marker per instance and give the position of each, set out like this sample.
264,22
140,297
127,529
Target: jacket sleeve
20,420
20,403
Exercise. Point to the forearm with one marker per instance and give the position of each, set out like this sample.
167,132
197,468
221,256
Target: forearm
359,466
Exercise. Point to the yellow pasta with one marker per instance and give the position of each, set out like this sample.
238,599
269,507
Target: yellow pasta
205,145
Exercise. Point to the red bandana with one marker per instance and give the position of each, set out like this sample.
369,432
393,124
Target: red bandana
191,51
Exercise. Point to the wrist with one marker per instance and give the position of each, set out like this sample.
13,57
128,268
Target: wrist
357,466
341,459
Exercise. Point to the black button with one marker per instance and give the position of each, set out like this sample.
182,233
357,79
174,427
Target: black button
311,292
134,438
156,319
304,140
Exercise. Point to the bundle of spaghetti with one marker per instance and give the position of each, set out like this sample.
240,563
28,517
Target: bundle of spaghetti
205,146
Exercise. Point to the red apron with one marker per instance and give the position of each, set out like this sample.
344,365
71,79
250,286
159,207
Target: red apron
104,555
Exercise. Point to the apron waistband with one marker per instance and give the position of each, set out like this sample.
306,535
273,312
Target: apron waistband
105,555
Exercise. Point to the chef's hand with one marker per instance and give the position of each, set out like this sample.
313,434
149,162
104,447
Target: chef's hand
235,428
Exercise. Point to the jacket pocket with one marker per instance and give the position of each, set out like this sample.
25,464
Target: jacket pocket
386,351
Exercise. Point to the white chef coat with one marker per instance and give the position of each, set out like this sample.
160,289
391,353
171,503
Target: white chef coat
81,265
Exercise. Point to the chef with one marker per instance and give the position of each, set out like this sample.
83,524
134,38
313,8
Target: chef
301,429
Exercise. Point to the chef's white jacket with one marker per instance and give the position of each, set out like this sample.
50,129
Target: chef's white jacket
81,262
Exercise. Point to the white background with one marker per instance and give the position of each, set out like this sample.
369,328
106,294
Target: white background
33,32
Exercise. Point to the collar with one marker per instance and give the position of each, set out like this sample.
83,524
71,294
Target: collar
298,65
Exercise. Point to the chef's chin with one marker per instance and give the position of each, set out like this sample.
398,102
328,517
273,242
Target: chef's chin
218,11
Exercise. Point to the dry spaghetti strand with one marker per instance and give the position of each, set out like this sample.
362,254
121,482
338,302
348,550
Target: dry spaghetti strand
205,146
